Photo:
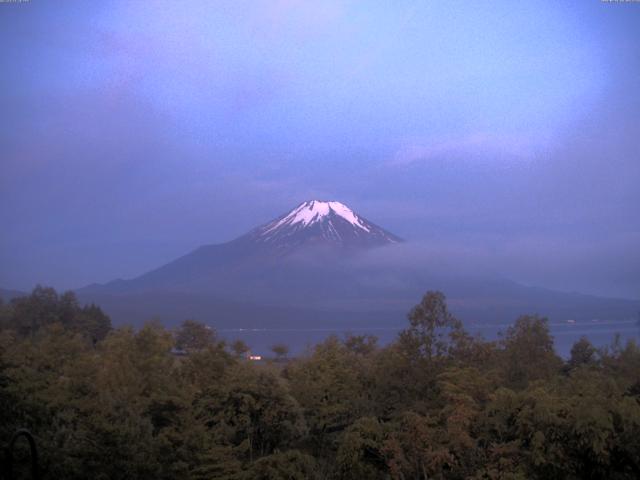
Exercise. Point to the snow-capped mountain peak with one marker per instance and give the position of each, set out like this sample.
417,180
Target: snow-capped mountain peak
314,211
318,222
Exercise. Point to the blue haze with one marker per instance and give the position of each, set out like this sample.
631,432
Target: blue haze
504,135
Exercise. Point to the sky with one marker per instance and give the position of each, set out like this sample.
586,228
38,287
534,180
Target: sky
502,135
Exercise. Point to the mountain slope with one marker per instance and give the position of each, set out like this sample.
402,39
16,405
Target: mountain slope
323,263
312,229
318,222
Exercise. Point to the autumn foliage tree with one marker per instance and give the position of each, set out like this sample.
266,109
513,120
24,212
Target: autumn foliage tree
437,403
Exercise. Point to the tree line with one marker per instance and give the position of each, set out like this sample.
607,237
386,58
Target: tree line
437,403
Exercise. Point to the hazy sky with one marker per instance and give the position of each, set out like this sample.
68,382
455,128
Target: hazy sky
504,134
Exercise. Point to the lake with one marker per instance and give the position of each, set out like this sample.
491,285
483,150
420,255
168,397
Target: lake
599,332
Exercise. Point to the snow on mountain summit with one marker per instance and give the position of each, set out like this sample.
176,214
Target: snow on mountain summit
314,211
322,222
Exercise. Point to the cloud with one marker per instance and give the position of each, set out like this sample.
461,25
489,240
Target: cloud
475,145
601,266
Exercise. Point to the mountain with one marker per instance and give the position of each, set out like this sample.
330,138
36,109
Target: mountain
323,264
7,295
320,223
312,229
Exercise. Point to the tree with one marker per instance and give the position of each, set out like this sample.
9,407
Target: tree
239,348
361,451
34,311
582,354
92,323
330,387
434,404
280,350
361,344
289,465
193,336
5,315
528,352
622,363
414,449
44,307
432,329
395,384
251,410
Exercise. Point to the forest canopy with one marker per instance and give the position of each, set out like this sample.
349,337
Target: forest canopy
437,403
